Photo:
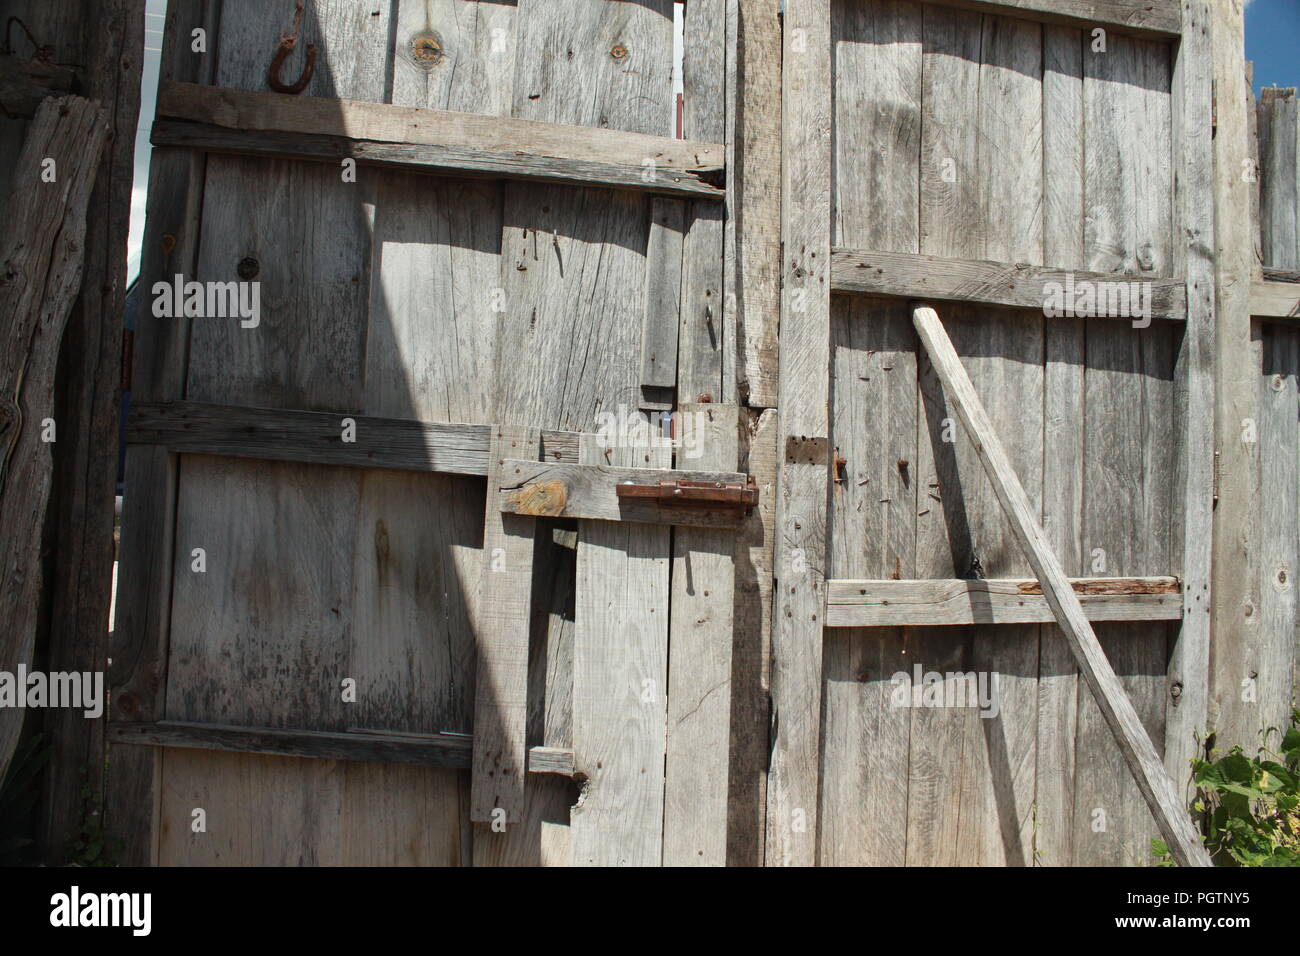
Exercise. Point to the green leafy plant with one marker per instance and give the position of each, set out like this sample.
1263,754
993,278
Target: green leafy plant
1250,805
18,795
91,845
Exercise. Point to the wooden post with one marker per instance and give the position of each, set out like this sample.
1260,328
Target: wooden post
1156,786
43,254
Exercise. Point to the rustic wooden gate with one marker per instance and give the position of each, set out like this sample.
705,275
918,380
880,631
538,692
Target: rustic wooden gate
972,154
302,523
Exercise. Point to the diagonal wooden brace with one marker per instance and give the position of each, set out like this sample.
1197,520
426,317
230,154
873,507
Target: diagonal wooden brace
1157,788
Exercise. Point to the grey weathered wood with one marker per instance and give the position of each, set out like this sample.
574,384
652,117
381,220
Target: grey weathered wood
1152,17
997,283
42,251
663,294
1274,300
429,750
1063,439
293,435
755,188
865,741
1144,762
980,141
558,490
1279,175
620,660
892,603
1195,90
471,68
25,84
751,653
241,121
569,67
138,648
1129,191
700,666
801,523
501,698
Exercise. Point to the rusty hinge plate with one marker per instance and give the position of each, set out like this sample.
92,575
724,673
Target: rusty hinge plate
724,494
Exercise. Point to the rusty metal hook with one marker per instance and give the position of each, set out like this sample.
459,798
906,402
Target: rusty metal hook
287,43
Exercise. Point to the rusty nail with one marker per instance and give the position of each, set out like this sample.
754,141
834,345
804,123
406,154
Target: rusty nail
248,268
618,52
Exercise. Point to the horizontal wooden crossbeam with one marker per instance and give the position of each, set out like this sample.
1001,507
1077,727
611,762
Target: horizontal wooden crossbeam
558,489
426,750
1275,300
954,601
318,437
25,83
1000,283
1160,18
243,122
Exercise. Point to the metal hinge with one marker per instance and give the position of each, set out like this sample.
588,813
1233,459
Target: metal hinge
725,494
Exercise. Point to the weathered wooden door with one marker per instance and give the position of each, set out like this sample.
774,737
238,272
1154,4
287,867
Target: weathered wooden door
995,162
299,665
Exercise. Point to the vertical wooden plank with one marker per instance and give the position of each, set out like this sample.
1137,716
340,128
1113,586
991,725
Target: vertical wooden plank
351,40
1279,475
560,365
620,671
700,668
874,509
865,738
138,645
595,63
455,55
663,293
1279,161
805,475
752,646
1129,184
981,154
703,336
430,354
877,124
754,169
1063,450
1188,700
501,695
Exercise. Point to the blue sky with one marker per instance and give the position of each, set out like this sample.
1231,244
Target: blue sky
1273,41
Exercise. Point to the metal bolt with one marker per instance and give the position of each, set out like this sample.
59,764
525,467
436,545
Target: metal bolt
248,268
618,52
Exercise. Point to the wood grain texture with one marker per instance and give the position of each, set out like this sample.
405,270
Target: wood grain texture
620,680
890,603
1157,17
43,249
1129,192
283,434
1274,300
1188,662
1156,785
556,490
1279,171
865,740
663,293
702,606
25,84
595,63
455,55
996,283
501,697
429,750
801,535
138,646
754,195
1063,443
